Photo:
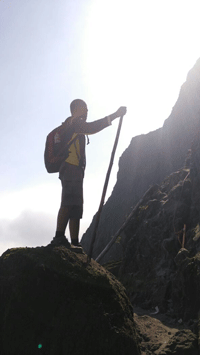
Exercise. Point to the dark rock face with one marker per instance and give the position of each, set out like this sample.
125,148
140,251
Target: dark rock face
52,302
147,161
161,264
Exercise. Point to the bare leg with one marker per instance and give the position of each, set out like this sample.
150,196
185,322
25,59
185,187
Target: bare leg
74,230
62,220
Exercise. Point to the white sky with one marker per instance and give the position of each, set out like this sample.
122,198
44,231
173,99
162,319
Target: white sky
110,53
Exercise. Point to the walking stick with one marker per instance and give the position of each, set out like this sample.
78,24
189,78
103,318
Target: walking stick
104,191
121,229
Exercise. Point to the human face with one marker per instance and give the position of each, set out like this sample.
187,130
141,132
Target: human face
81,111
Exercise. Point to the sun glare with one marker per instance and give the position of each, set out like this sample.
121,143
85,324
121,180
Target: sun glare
135,46
138,54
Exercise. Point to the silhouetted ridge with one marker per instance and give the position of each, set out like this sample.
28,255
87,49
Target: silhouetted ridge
147,161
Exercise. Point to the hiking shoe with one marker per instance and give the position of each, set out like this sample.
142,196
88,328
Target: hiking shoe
60,241
77,248
77,245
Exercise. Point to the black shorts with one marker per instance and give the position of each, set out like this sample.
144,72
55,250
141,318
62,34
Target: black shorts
72,190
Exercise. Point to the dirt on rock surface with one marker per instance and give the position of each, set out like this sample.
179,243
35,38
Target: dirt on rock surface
162,335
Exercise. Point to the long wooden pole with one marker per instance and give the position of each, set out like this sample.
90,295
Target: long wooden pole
104,191
120,230
184,232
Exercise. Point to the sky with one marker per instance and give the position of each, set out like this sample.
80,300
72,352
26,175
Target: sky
109,53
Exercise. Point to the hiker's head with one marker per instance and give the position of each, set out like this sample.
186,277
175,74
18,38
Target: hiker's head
78,108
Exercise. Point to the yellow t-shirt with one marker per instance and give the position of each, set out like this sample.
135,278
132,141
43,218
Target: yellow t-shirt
82,127
74,152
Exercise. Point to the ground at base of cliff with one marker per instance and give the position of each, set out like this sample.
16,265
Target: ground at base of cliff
160,334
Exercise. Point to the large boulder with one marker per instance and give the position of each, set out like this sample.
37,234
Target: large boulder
52,302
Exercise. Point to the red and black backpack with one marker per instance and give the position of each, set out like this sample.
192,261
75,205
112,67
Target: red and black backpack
56,148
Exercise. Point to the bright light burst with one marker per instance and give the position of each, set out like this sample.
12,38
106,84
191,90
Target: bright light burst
139,53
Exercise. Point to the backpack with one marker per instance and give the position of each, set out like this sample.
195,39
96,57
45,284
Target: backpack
56,147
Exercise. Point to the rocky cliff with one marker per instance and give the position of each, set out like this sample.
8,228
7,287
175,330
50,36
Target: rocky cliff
161,263
162,244
147,161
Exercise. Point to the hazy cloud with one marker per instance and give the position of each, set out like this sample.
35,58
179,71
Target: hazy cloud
30,229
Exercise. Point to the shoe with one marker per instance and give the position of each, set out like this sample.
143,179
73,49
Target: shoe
77,248
60,241
77,245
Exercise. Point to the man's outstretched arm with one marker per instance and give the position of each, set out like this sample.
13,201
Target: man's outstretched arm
81,126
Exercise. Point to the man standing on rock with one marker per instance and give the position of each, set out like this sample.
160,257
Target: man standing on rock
71,172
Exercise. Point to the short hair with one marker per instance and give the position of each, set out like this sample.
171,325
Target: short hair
76,103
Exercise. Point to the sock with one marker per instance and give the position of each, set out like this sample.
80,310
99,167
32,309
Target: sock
75,242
